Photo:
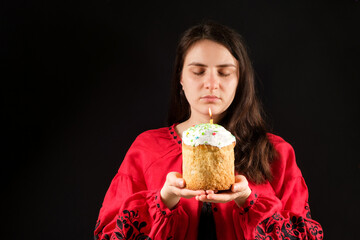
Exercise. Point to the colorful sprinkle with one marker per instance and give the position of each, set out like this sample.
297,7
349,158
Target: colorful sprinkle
211,134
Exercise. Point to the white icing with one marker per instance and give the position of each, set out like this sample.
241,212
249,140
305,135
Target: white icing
207,133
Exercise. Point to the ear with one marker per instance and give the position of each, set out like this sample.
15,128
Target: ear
181,82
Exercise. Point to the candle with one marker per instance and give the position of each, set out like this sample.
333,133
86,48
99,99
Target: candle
210,113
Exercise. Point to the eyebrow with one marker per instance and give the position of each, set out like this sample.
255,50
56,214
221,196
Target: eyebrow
203,65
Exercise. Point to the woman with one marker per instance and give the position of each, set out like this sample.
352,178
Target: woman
147,199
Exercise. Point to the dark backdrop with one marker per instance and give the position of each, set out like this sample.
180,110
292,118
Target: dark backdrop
81,79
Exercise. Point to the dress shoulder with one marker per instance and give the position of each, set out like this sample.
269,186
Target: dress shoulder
147,148
153,133
159,141
284,163
279,143
275,139
154,136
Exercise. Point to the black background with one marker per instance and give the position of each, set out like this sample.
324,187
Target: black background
80,80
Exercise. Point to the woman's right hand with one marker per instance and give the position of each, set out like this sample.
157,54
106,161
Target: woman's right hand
174,189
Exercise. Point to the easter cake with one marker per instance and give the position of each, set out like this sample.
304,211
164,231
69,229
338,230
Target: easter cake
208,157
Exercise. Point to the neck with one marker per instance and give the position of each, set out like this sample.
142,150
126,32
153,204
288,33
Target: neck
195,120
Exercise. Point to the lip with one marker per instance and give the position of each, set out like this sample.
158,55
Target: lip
210,98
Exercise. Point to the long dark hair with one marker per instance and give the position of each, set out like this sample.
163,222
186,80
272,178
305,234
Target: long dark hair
244,117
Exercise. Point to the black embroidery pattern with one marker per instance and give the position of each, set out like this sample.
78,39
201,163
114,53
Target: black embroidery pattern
295,228
247,208
172,132
307,208
97,236
314,229
129,228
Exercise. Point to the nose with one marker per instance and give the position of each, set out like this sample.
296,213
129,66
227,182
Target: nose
211,81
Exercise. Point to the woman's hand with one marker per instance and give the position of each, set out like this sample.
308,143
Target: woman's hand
239,192
174,189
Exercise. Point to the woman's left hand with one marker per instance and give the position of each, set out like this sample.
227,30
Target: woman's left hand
239,192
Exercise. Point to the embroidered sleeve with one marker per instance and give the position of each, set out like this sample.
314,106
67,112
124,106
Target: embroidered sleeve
263,217
141,215
144,216
132,211
120,188
283,213
293,227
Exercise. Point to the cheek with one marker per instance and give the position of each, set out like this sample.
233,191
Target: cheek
188,89
234,87
190,83
190,93
231,87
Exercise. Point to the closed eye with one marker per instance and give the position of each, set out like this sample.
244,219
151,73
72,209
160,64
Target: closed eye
198,73
224,74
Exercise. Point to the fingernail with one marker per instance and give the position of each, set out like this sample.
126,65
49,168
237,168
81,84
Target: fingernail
180,183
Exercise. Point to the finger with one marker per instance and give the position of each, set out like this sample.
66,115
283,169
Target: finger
237,187
240,178
220,198
175,179
202,198
192,193
210,191
212,198
187,193
240,184
184,192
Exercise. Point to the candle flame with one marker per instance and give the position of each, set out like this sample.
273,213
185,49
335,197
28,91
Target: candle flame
210,113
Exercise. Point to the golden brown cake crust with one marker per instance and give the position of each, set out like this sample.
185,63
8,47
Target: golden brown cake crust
207,167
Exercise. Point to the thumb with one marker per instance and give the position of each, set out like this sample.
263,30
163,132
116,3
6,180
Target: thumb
240,183
175,179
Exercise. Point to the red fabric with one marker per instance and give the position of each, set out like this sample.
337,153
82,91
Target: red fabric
132,208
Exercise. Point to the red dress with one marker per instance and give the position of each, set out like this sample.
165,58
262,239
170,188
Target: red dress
132,208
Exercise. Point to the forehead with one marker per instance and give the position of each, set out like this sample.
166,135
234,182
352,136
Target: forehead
209,53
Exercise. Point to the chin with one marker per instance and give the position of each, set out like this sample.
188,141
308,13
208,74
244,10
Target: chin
214,108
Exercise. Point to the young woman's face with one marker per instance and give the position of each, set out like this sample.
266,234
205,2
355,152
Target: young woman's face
209,78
